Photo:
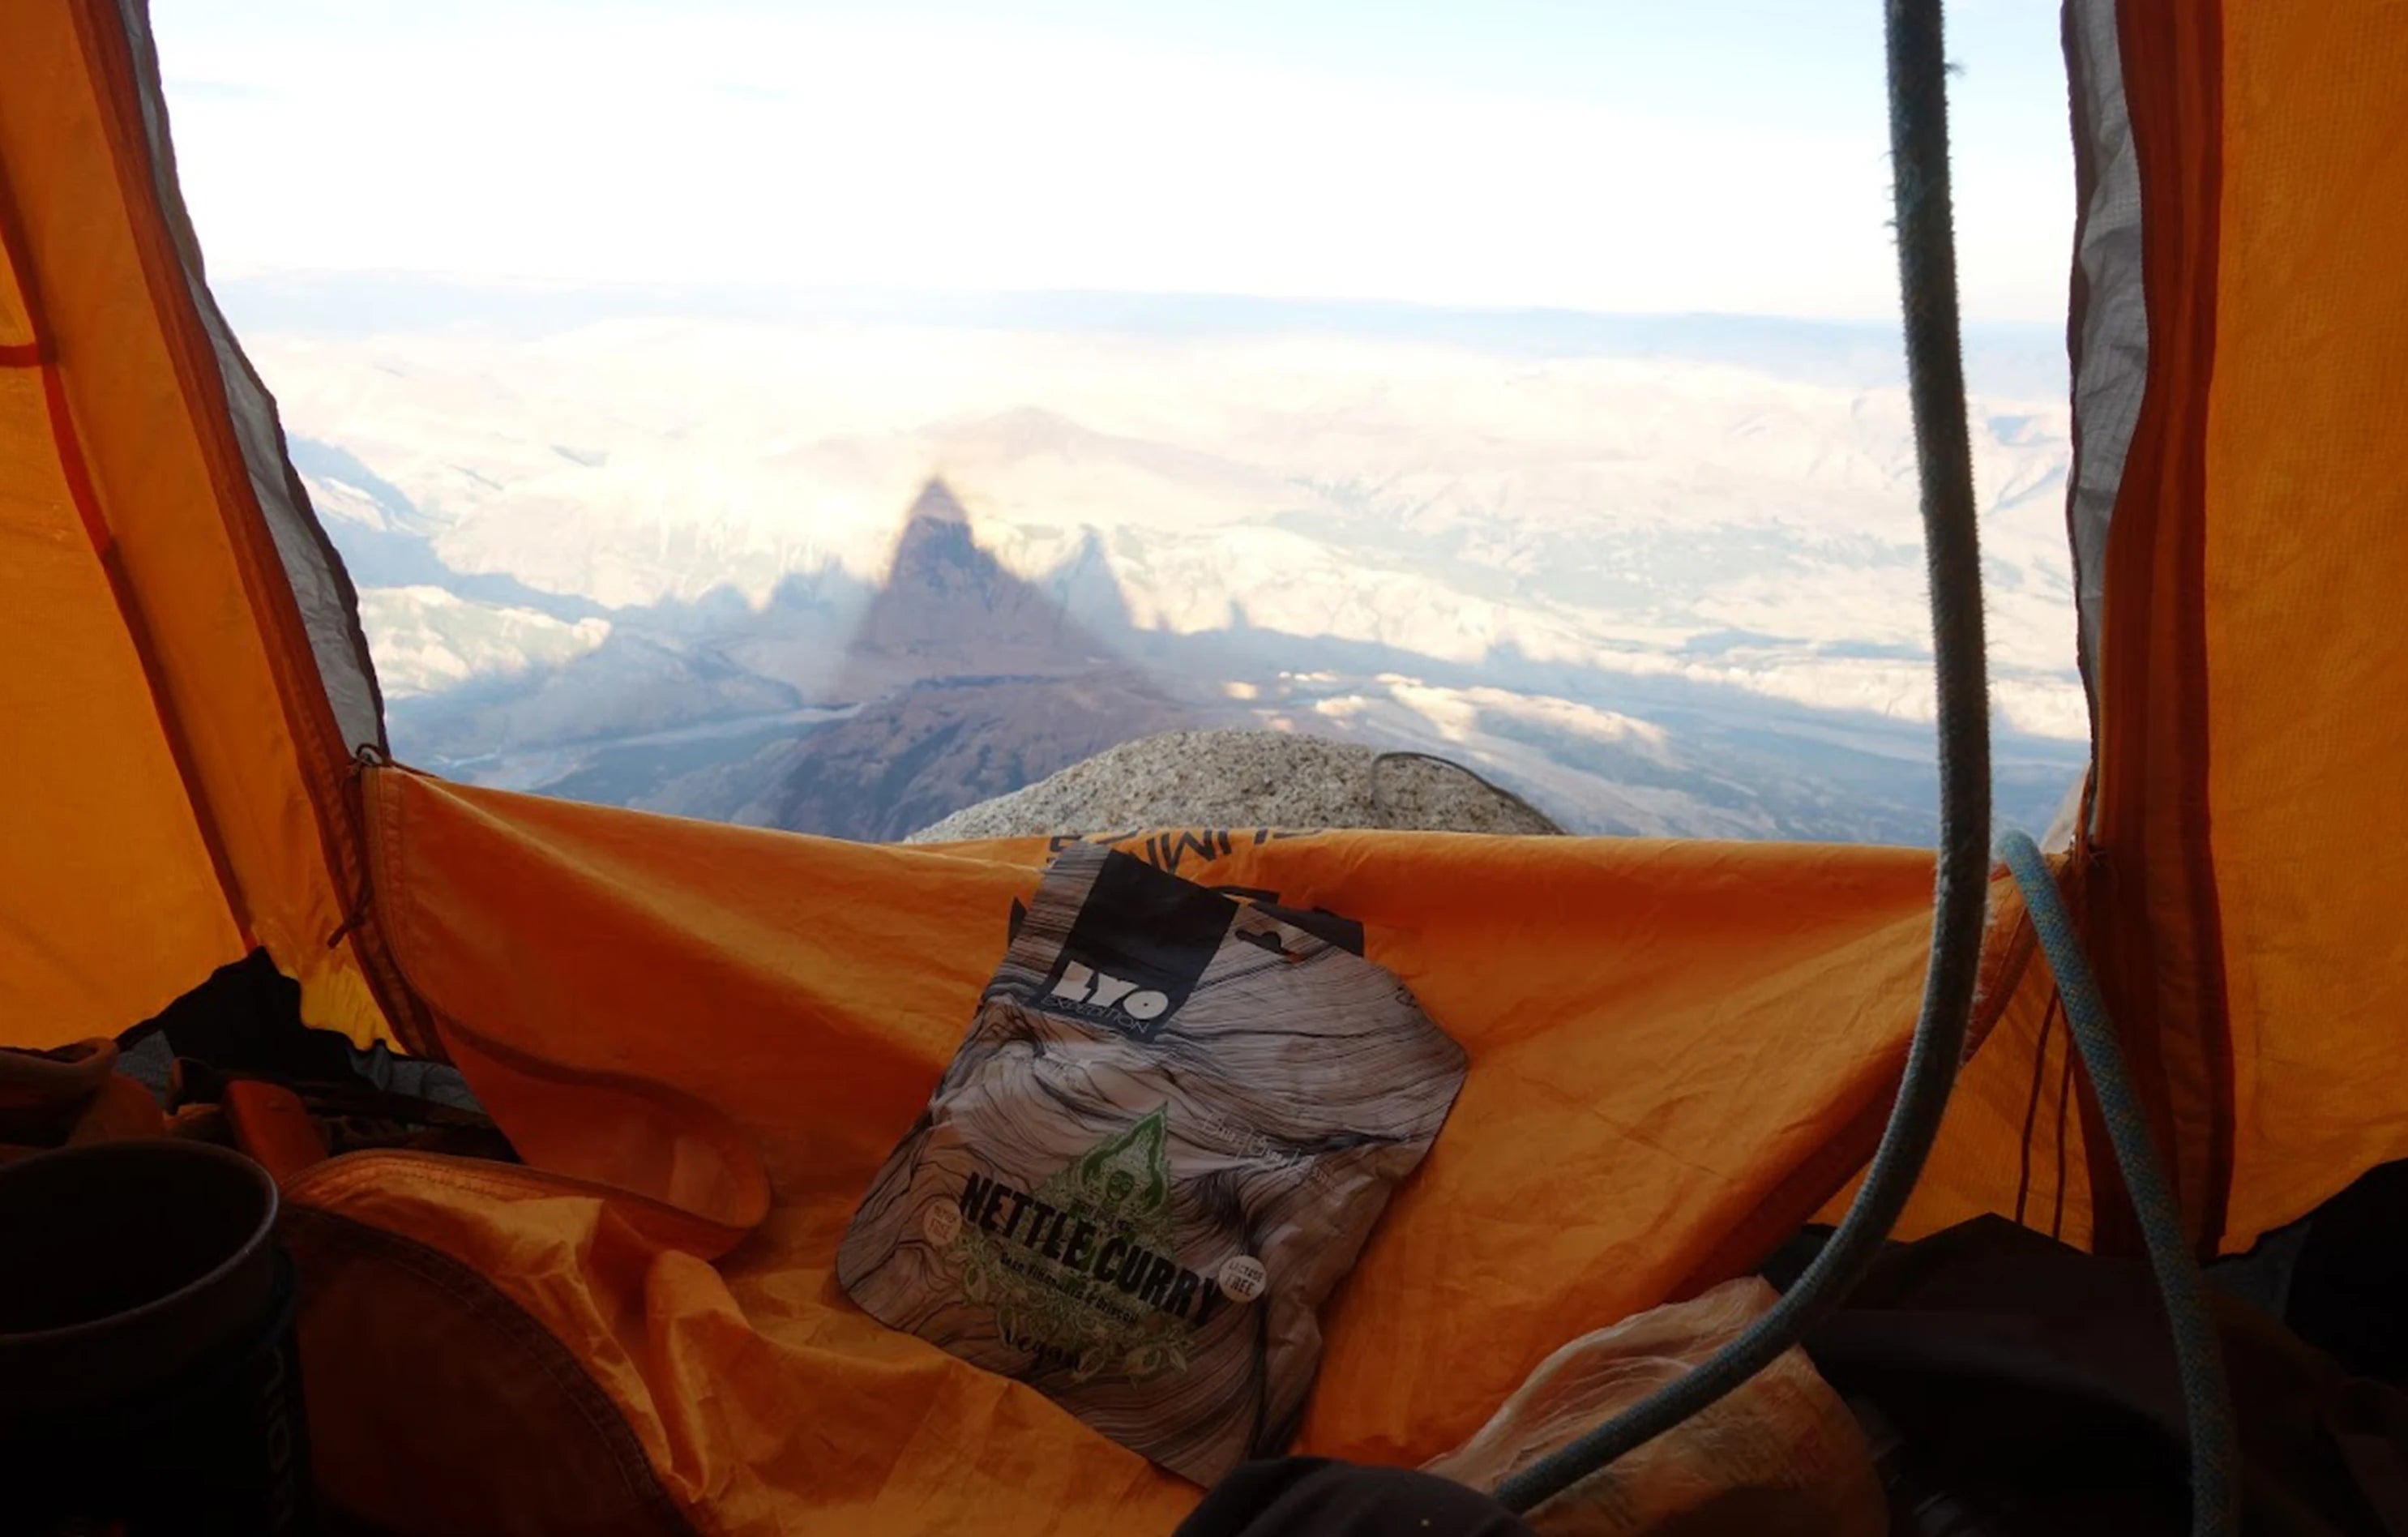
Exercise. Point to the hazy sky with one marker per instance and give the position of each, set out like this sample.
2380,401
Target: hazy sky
1652,155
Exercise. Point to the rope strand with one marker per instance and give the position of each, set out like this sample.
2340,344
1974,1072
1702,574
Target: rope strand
1943,453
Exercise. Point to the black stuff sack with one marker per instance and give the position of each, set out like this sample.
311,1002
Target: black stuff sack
1172,1127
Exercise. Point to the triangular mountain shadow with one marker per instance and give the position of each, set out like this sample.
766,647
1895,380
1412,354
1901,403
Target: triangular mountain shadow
949,608
973,682
1084,584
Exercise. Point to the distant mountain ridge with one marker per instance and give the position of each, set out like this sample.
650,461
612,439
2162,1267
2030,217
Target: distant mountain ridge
847,581
2020,358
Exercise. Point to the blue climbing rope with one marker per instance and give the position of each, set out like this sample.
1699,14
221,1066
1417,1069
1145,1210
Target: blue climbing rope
2214,1462
1936,387
1927,257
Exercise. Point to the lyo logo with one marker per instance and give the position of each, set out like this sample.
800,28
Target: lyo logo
1101,990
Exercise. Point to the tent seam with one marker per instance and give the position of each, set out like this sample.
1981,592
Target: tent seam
308,714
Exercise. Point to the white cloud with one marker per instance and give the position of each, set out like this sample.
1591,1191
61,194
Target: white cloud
808,152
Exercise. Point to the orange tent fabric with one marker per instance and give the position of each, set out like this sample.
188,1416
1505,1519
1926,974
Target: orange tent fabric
2248,833
177,784
703,1038
2243,832
696,991
2306,543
